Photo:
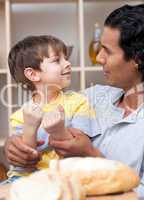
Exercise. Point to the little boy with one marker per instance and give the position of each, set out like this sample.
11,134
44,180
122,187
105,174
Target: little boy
40,64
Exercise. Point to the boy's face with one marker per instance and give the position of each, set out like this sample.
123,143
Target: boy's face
55,70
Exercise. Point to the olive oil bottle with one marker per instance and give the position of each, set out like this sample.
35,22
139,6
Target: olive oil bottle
95,44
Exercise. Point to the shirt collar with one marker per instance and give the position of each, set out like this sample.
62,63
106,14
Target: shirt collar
132,118
116,95
137,114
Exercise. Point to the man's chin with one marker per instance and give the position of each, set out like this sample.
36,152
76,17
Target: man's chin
110,83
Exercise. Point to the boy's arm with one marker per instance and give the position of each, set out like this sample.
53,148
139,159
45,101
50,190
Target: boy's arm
32,116
83,118
16,151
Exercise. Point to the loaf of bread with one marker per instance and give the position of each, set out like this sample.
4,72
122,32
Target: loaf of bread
98,176
45,185
74,178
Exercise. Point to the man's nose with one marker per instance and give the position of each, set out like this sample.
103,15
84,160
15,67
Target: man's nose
100,58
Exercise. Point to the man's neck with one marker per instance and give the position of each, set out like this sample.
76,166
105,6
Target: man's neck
132,99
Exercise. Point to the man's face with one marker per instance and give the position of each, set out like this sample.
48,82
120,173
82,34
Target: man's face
117,71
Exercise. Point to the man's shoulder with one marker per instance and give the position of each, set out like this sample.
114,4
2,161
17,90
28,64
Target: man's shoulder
104,92
102,88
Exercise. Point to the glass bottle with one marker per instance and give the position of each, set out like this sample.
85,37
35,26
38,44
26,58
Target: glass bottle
95,44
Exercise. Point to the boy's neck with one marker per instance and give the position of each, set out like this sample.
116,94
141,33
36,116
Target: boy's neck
45,97
46,94
52,95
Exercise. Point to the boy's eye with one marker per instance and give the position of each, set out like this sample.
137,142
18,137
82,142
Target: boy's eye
66,57
57,60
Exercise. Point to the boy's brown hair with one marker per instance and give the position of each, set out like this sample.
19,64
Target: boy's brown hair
30,52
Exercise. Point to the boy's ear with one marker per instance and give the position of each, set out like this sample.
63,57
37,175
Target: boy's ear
31,74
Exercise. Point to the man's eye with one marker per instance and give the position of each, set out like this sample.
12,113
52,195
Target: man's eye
108,52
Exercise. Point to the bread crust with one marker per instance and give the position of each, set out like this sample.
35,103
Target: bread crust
47,185
97,175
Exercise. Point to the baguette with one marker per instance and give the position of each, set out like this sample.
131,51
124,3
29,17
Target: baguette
46,185
98,176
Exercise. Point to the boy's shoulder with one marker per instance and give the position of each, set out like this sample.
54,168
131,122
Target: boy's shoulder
77,103
17,116
74,96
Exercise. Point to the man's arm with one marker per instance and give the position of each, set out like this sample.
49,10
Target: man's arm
140,189
79,145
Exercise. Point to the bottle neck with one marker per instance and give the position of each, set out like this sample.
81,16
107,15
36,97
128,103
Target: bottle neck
97,33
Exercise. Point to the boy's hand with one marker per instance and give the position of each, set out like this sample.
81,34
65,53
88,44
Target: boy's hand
53,123
19,154
32,113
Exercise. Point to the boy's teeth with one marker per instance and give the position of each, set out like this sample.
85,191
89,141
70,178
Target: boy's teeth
65,73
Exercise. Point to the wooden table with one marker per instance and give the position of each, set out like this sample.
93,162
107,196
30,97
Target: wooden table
125,196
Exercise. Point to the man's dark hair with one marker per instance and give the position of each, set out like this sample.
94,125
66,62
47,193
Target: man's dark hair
30,52
129,20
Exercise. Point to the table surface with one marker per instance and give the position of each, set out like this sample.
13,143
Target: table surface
4,190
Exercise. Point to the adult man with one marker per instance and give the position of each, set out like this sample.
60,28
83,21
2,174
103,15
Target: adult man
120,122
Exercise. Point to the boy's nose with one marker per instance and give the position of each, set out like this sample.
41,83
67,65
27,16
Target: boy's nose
66,64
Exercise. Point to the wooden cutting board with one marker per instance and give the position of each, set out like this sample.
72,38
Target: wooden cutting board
125,196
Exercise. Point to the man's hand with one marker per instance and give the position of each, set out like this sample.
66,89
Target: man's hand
19,154
79,145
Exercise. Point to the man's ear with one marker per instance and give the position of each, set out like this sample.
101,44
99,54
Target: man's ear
136,66
31,74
